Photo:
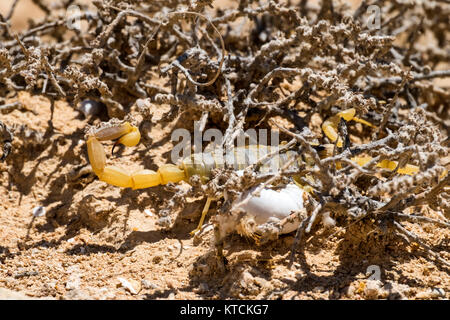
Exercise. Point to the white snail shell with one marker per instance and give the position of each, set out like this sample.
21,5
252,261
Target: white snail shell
274,204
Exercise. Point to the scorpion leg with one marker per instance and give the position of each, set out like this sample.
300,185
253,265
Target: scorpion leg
202,218
129,136
330,128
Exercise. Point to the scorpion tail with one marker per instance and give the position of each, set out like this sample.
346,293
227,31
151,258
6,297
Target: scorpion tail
149,178
129,136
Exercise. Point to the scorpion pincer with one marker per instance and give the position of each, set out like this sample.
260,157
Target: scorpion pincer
269,205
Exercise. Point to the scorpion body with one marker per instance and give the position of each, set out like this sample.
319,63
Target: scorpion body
203,164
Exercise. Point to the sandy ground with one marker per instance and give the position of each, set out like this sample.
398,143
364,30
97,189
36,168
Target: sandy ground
100,242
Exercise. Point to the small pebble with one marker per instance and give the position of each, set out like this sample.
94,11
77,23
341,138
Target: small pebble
263,36
148,285
437,292
327,221
142,103
372,289
424,295
38,211
128,285
90,108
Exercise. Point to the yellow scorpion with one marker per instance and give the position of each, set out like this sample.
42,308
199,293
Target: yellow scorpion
202,164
